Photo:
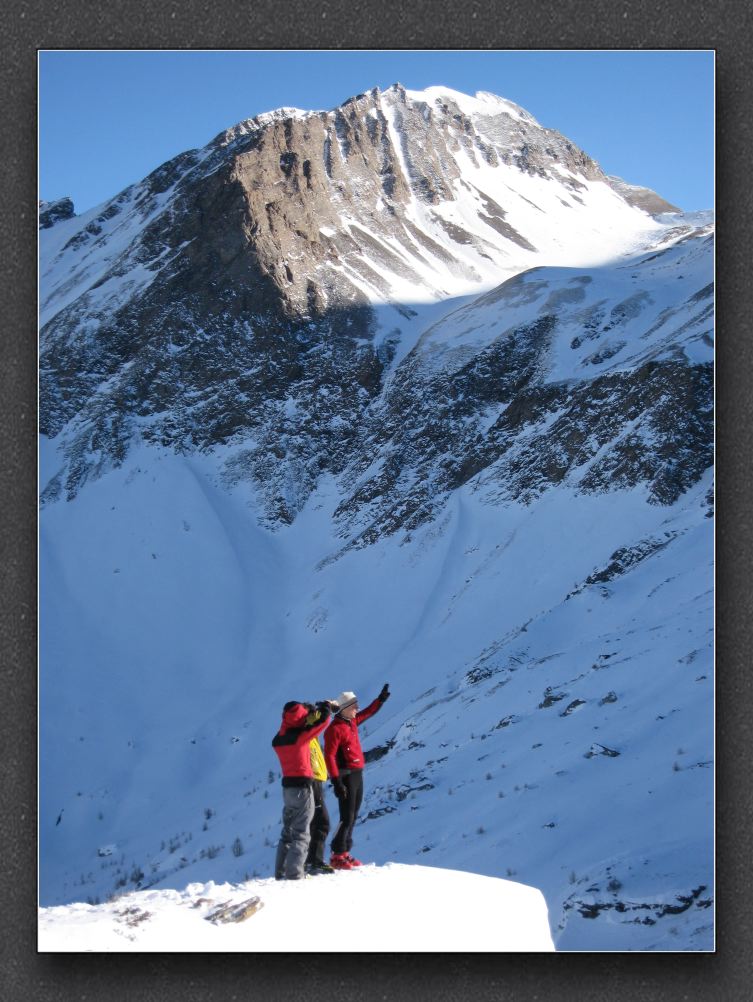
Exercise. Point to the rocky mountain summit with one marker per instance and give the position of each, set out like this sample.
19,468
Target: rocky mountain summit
256,293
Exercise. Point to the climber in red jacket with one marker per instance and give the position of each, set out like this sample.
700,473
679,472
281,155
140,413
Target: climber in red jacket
345,762
292,744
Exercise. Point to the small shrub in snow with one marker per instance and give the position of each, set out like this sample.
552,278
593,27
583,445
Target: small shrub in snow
237,847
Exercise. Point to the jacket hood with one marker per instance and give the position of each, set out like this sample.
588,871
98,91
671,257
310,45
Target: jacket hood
294,714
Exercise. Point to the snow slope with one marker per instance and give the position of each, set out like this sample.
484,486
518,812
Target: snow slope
609,318
173,629
433,910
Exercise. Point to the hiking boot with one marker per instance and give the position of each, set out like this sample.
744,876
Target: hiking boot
352,860
317,869
340,861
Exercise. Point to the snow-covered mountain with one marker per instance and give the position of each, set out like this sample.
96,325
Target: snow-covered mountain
408,391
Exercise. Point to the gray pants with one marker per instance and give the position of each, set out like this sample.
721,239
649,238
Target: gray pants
297,812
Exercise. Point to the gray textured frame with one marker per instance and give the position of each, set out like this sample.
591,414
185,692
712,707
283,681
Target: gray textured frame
26,27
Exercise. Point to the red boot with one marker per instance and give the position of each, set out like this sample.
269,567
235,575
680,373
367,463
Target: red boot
340,861
352,860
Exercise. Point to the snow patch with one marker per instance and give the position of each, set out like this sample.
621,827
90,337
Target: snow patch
390,909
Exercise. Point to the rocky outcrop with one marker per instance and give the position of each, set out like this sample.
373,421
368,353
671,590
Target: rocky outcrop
370,158
52,212
641,198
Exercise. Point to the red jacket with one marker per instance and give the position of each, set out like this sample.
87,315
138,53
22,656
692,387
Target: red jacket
292,744
342,747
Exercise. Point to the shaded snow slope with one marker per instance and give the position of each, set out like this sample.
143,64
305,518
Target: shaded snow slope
394,908
551,668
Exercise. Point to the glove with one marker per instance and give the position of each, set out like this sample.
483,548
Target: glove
385,694
341,791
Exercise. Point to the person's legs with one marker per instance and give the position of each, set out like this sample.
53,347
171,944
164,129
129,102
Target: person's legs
282,851
354,783
284,844
346,807
294,841
319,827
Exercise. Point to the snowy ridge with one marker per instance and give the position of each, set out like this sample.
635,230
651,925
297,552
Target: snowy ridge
483,103
606,319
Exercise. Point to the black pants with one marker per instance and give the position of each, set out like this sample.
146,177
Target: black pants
349,807
319,826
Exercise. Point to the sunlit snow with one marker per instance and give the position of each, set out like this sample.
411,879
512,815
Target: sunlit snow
389,909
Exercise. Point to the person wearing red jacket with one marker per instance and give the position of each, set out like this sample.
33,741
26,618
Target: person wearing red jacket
344,758
291,743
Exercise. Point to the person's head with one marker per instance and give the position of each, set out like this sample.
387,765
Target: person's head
347,705
294,713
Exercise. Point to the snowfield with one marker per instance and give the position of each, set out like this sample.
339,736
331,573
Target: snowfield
174,629
392,908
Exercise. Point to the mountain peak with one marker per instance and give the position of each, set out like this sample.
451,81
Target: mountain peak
482,103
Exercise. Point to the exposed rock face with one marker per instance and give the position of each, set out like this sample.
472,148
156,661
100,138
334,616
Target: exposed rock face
371,158
229,298
52,212
642,198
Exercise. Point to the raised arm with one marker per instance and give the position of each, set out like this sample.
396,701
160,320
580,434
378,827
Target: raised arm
316,726
374,707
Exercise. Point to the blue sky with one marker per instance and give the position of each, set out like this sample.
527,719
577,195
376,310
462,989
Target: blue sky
107,118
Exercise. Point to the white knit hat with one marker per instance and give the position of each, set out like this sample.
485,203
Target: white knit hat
344,700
